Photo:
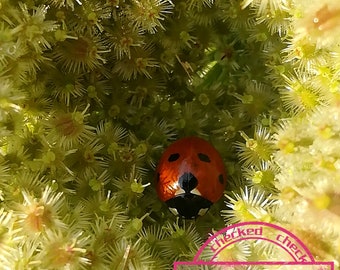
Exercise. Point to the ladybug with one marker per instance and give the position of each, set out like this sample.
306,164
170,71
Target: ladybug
190,177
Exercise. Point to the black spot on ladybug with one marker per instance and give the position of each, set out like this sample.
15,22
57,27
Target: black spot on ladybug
173,157
158,177
203,157
188,182
221,179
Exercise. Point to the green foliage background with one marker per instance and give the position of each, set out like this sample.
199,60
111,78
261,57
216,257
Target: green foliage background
91,92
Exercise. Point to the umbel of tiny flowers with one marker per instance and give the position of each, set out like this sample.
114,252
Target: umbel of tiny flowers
300,156
308,179
93,91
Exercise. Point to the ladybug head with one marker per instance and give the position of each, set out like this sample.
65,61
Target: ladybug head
188,204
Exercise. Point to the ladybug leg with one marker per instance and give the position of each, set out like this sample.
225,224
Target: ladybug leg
203,211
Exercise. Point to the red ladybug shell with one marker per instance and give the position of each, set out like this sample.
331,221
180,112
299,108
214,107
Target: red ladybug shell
190,176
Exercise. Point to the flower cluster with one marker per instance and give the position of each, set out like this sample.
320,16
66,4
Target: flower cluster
91,92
